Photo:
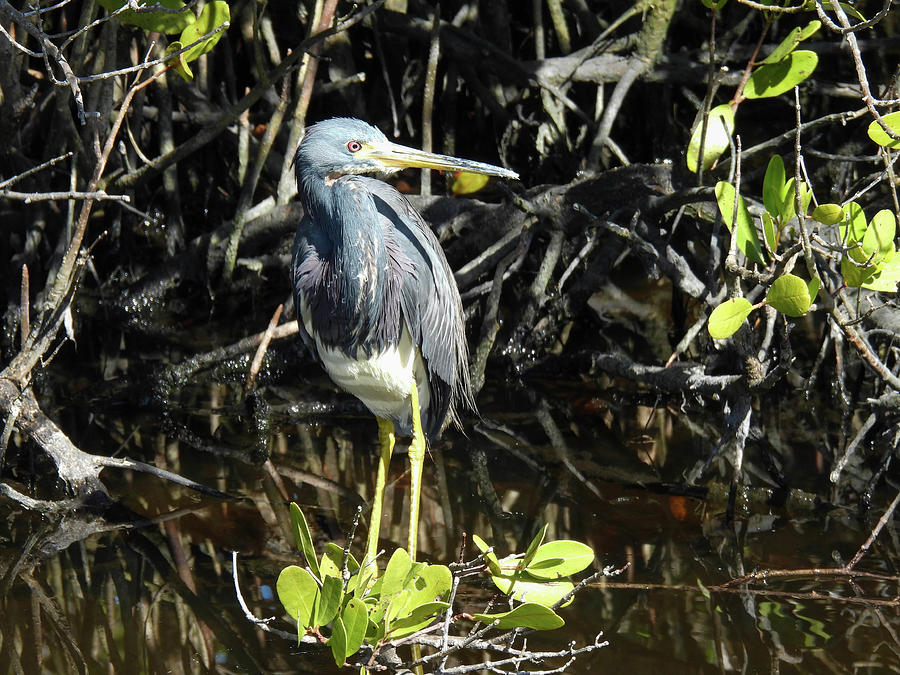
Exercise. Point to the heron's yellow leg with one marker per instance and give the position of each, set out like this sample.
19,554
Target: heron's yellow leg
386,445
416,463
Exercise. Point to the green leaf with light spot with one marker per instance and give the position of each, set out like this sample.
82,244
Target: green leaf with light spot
159,22
528,615
719,129
880,136
789,294
790,42
747,238
297,591
828,214
303,538
773,79
728,317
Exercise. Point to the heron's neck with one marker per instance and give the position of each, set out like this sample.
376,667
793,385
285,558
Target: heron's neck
358,255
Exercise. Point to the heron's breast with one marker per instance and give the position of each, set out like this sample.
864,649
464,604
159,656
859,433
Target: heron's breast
382,380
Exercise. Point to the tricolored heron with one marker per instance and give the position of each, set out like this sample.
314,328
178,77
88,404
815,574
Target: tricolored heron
376,300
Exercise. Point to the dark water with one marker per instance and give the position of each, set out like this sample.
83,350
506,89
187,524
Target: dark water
148,588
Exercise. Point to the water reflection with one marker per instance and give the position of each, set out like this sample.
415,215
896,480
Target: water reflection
145,586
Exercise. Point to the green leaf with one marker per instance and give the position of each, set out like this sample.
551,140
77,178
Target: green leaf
773,187
855,220
573,556
297,590
304,540
770,232
714,4
795,37
330,598
533,547
524,587
333,559
434,581
886,278
719,128
813,287
395,573
856,276
159,22
728,317
879,236
491,558
773,79
338,642
213,16
747,239
828,214
529,615
417,619
355,619
789,294
880,136
179,65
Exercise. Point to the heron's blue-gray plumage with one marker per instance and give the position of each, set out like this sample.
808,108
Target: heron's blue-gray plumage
366,265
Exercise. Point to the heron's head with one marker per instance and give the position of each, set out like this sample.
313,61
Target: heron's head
343,145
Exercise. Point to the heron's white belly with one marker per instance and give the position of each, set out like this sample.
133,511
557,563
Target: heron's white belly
382,381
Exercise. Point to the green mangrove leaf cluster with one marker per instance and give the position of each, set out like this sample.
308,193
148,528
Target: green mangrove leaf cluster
199,33
347,604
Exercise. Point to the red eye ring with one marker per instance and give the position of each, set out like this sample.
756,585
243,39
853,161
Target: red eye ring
354,146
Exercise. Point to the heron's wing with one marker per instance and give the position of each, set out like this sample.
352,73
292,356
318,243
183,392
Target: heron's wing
429,300
303,274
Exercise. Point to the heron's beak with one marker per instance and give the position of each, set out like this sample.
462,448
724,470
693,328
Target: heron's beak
399,156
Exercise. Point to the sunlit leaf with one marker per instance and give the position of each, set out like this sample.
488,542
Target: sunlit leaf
159,22
828,214
297,591
304,539
524,587
856,276
533,547
719,128
728,317
774,79
529,615
789,294
880,136
465,183
333,559
491,558
338,642
770,231
179,65
434,581
795,37
813,287
330,597
714,4
773,186
573,556
879,236
395,573
213,16
887,277
854,229
354,618
417,619
747,238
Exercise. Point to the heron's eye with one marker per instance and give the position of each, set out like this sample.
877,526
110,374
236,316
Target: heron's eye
354,146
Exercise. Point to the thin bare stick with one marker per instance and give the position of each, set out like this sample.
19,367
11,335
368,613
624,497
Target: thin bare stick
261,350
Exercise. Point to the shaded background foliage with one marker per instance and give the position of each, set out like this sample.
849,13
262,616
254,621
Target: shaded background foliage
571,326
